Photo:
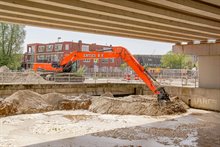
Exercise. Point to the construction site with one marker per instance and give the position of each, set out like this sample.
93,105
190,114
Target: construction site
49,105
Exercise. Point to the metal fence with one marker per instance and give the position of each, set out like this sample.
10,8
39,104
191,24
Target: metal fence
178,77
175,77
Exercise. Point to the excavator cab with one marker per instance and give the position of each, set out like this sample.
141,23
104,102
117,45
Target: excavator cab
55,64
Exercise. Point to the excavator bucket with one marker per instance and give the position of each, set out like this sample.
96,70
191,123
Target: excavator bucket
163,95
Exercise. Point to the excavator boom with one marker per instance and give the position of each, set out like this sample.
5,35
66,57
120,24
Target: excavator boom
116,52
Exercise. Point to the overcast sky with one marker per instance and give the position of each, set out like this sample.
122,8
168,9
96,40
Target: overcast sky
135,46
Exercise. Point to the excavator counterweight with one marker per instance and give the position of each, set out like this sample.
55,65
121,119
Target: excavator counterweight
65,65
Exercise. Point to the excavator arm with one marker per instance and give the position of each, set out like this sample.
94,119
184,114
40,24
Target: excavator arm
114,52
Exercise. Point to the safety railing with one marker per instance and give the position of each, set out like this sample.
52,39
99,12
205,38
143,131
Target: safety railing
164,77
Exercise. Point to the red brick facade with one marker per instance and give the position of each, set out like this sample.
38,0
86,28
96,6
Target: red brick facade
38,52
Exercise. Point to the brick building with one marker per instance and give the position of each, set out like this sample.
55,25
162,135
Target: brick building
46,53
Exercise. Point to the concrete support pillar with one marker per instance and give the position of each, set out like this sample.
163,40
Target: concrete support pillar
209,71
209,62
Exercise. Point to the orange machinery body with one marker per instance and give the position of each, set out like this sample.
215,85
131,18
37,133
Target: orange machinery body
45,67
116,52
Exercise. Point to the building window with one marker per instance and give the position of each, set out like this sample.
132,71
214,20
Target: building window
32,58
85,48
86,60
41,48
54,58
31,49
49,48
67,47
40,58
48,58
58,47
104,60
112,60
60,57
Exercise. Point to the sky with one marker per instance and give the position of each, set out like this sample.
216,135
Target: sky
135,46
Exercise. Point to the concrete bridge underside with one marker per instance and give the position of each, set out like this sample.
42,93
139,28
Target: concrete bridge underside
173,21
160,20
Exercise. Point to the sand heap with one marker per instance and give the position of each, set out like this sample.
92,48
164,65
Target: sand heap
137,105
4,69
29,77
21,77
26,101
80,102
23,102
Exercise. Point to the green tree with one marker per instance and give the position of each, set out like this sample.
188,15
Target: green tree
11,41
123,66
81,71
174,61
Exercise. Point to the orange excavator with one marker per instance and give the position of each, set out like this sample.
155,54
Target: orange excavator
65,65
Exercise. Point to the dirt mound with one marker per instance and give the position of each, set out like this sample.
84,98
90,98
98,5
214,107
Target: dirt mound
136,105
107,94
83,96
54,99
22,102
4,69
28,77
22,77
26,101
81,102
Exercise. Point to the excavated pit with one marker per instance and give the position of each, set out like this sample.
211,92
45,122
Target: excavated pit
26,101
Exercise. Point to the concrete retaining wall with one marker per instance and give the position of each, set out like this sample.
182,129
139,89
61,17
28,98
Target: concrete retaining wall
73,89
201,98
